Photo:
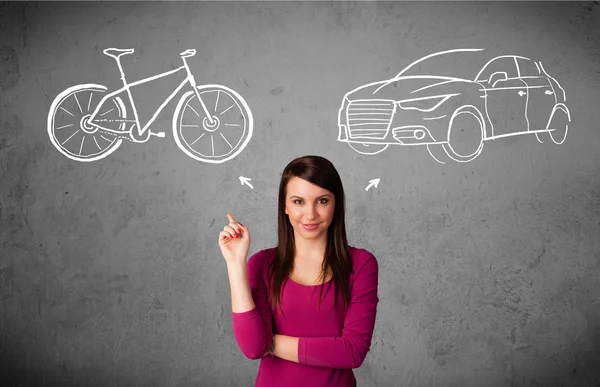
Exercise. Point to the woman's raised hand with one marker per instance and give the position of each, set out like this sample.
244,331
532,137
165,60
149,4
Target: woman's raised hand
234,241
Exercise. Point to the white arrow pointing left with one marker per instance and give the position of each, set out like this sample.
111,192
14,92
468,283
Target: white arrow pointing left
245,180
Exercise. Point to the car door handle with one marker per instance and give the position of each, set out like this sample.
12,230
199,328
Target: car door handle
521,93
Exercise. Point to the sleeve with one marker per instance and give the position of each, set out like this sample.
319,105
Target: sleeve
349,350
253,330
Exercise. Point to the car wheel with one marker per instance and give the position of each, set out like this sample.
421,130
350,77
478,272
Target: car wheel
558,124
465,134
368,149
438,153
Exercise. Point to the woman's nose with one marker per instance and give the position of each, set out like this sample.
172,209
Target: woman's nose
310,212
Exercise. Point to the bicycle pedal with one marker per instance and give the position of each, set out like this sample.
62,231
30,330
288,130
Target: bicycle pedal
159,134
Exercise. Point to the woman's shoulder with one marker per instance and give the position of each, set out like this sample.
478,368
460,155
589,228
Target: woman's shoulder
262,258
361,257
360,253
363,261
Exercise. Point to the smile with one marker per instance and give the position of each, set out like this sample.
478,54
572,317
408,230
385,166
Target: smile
310,227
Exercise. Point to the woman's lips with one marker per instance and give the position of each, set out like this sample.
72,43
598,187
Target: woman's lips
310,227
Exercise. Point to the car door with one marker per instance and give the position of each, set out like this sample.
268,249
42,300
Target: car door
506,96
540,95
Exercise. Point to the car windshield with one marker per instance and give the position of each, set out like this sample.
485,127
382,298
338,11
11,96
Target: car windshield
463,64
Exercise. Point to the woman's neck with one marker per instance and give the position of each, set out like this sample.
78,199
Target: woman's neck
310,249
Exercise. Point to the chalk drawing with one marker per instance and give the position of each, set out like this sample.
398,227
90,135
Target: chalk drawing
453,115
211,123
245,180
373,183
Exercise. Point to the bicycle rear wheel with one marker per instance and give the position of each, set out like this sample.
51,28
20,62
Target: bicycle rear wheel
69,128
223,138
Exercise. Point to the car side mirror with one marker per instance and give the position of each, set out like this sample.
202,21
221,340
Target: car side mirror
496,77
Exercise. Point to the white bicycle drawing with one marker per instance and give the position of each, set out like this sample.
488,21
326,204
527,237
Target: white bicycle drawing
212,123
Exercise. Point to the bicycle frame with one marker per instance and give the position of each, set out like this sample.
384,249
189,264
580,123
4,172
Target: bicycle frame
94,119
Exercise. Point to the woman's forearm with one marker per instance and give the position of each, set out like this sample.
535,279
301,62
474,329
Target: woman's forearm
241,296
286,347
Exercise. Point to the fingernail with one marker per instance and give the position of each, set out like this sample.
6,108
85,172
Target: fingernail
240,223
231,236
239,230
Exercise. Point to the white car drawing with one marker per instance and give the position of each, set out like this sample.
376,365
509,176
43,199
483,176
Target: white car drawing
443,102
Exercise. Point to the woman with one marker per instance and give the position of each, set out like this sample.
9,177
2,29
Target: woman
307,307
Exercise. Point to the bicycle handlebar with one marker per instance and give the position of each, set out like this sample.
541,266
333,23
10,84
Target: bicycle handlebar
188,53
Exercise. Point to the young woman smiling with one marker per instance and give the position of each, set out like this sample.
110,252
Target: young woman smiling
307,307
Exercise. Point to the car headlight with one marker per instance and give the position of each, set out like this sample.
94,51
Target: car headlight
425,104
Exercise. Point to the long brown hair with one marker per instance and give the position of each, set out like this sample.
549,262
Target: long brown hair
337,261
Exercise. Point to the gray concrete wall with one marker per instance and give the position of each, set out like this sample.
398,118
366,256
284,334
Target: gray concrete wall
110,272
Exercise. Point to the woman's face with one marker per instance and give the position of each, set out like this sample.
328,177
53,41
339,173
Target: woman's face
309,207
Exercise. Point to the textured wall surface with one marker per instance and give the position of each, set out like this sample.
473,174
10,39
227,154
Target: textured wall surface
110,272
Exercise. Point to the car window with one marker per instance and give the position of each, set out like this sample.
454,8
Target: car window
527,68
460,64
503,64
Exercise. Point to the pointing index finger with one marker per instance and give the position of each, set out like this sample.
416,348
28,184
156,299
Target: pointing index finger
231,218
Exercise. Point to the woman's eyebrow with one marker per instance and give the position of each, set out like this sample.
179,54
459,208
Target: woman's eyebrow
318,197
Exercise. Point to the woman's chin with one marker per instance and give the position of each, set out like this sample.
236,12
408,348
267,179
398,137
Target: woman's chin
308,235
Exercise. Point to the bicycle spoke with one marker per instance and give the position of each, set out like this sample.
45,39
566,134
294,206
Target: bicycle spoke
78,104
227,109
81,147
191,126
212,142
96,141
70,137
107,112
232,125
197,139
217,102
64,126
194,110
226,140
108,139
90,101
67,111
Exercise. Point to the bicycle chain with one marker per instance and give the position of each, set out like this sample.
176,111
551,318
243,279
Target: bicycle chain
107,120
111,133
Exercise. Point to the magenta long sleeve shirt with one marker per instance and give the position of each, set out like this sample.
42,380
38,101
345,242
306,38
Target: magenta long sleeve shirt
331,341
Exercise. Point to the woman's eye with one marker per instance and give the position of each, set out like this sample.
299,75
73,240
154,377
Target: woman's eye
323,201
297,201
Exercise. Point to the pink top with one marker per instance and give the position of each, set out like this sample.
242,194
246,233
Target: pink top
332,342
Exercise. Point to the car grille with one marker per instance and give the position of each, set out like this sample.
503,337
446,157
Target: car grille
369,119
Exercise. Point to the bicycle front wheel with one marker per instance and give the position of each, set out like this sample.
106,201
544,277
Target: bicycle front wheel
219,136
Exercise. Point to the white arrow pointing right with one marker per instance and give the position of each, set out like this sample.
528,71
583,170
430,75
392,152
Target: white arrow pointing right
372,183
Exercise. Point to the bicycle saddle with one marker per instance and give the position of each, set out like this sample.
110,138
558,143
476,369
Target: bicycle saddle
188,53
117,52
